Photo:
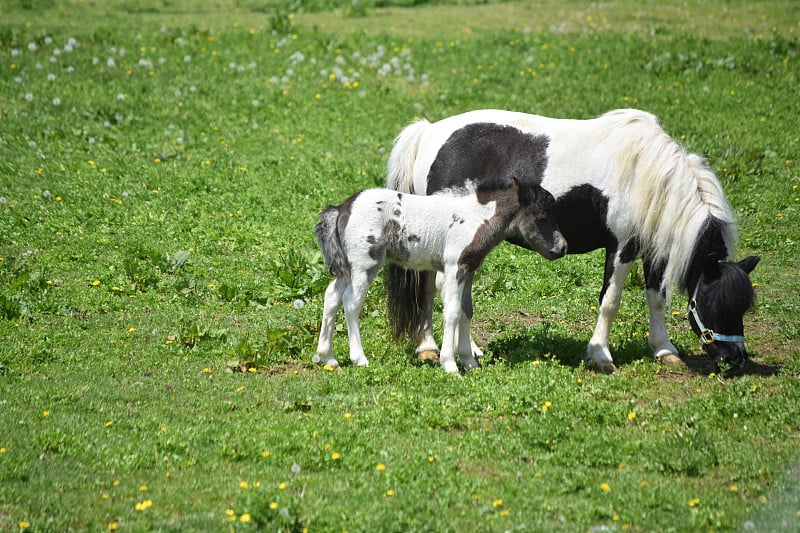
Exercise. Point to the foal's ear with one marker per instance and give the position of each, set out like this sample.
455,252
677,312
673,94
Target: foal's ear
749,263
515,183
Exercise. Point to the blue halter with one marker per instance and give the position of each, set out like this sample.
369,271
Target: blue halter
707,335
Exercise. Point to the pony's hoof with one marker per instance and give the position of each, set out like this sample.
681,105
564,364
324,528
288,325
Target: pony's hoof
672,359
604,367
428,356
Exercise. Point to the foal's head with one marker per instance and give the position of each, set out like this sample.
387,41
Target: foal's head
716,310
535,226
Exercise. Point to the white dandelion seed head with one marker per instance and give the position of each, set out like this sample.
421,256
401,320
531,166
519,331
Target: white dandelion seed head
110,63
51,77
56,101
48,40
296,469
187,58
298,304
46,193
32,47
15,52
29,97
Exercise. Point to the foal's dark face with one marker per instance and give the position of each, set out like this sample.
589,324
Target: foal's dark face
535,226
724,295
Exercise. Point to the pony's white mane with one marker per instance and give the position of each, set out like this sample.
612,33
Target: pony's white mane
671,193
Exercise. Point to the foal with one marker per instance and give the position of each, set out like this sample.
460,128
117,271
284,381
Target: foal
450,232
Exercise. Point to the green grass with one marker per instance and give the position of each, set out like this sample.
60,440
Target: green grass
161,169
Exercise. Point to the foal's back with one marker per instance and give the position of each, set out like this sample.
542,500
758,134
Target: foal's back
419,232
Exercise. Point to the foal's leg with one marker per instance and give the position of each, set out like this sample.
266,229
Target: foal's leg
427,350
353,298
615,274
333,301
476,351
658,339
451,303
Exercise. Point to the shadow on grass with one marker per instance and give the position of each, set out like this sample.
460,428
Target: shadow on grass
542,344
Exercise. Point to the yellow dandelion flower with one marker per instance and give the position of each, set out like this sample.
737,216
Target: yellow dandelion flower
347,416
95,283
243,484
273,505
143,488
113,526
109,423
497,503
390,493
733,488
335,456
45,413
605,487
430,459
282,486
245,518
631,415
24,525
380,468
265,453
230,512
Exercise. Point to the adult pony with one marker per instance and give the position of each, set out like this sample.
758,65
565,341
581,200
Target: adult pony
450,232
620,183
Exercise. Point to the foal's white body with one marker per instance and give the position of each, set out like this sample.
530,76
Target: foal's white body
425,233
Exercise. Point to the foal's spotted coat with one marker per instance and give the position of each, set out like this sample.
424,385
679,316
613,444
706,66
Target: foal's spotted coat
450,232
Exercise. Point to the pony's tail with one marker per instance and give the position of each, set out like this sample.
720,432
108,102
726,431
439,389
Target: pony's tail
404,289
404,153
330,244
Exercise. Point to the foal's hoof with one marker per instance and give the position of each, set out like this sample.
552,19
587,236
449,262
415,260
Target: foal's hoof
672,359
604,367
428,356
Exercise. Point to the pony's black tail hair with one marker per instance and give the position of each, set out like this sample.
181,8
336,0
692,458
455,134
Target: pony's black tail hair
404,290
330,244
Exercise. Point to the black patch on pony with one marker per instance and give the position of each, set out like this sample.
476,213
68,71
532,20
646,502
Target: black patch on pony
483,152
582,218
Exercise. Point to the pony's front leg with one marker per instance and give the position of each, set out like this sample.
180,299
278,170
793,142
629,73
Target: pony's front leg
333,301
353,298
451,303
615,275
658,339
427,350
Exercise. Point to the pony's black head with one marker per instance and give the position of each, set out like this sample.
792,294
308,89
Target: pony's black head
723,295
535,225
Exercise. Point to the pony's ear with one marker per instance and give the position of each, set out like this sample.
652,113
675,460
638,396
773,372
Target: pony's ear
749,263
711,268
515,183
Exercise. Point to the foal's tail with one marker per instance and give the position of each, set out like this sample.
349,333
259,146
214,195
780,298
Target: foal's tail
405,288
330,244
403,156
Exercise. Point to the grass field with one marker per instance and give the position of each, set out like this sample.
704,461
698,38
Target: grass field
162,165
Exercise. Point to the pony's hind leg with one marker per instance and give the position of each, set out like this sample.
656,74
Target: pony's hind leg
333,301
598,351
353,299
